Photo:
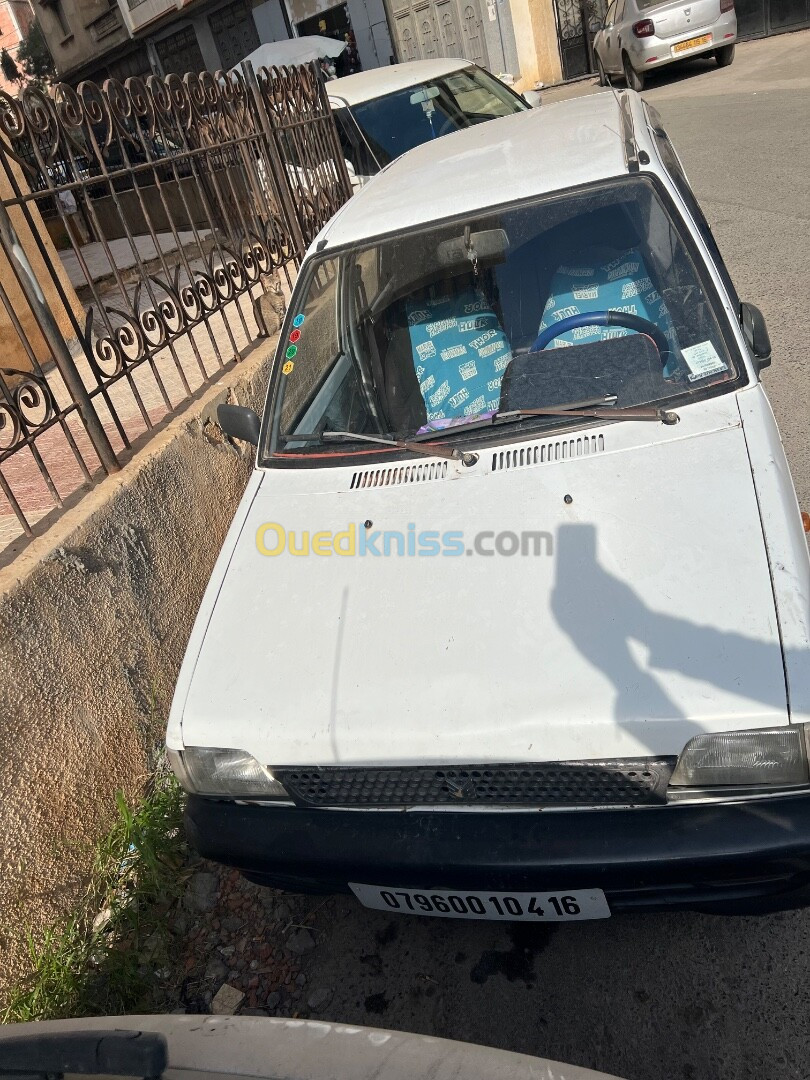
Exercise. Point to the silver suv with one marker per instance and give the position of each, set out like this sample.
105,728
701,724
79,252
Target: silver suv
642,34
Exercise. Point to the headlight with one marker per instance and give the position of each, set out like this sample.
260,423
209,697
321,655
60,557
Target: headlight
770,757
205,770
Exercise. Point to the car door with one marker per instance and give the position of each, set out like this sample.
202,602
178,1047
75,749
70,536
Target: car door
609,53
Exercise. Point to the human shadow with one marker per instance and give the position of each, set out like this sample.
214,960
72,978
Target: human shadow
603,615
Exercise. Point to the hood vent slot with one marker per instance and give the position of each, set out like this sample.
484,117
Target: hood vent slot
402,474
546,452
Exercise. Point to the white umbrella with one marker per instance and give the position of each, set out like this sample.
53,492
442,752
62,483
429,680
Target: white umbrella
295,51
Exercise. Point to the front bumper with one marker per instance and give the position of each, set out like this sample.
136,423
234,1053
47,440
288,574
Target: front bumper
746,857
654,52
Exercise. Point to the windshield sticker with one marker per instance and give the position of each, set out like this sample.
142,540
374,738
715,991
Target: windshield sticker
287,367
295,336
291,351
703,361
298,320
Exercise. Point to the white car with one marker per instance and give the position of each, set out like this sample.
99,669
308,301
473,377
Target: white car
383,112
640,35
513,621
254,1048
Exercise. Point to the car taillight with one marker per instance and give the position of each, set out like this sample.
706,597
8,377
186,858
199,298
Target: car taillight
646,28
726,5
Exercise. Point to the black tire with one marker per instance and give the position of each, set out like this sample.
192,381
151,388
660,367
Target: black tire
600,71
633,78
724,55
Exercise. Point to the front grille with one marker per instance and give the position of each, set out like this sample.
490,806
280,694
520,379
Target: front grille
554,783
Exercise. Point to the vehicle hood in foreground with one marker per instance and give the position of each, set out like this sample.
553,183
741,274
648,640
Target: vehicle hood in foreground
652,619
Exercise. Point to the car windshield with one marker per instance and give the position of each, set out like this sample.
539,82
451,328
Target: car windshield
399,121
573,298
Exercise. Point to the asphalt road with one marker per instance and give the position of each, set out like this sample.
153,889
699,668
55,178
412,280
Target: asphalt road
656,996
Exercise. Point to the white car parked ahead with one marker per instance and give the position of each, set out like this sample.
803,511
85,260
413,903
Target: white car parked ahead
513,621
383,112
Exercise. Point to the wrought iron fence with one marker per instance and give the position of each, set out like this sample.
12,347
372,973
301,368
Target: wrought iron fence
177,202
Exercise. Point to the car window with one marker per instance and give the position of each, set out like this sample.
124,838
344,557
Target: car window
672,163
397,122
619,11
353,145
447,325
610,16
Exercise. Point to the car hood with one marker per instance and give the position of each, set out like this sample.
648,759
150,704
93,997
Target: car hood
651,620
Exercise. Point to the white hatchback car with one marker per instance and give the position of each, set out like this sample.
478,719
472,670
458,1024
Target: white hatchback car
383,112
640,35
513,621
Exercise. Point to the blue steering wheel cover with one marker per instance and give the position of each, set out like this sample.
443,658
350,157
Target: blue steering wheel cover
584,318
606,318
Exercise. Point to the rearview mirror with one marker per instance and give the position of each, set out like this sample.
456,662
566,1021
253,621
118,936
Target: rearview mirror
239,423
427,93
756,334
487,246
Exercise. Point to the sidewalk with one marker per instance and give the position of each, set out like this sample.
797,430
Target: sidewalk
101,270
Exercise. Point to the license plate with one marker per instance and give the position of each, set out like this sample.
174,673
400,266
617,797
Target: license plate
498,906
692,43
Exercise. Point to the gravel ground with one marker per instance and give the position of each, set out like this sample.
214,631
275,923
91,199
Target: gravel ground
253,940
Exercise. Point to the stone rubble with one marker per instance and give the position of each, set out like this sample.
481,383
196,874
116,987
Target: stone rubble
236,938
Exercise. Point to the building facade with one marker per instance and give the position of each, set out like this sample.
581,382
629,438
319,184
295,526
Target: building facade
16,19
118,38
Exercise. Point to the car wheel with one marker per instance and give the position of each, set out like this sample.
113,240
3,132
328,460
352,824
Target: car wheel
633,78
724,55
600,71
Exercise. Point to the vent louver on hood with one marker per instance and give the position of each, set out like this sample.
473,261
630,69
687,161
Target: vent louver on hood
402,474
546,452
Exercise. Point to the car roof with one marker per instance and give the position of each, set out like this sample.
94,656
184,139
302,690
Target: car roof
365,85
517,157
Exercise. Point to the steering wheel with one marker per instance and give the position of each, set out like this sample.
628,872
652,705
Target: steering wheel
448,126
606,318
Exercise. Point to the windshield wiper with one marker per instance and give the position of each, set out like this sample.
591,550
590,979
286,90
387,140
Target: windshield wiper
600,408
426,448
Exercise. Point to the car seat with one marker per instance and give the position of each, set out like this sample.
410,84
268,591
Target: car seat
604,269
446,356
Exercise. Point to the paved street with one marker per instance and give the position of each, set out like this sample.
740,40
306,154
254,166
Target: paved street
660,996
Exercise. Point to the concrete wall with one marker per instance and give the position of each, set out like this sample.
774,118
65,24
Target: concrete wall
14,354
536,39
270,22
94,620
91,30
499,35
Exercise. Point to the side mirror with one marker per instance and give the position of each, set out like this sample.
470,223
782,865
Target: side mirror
756,334
532,98
239,423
